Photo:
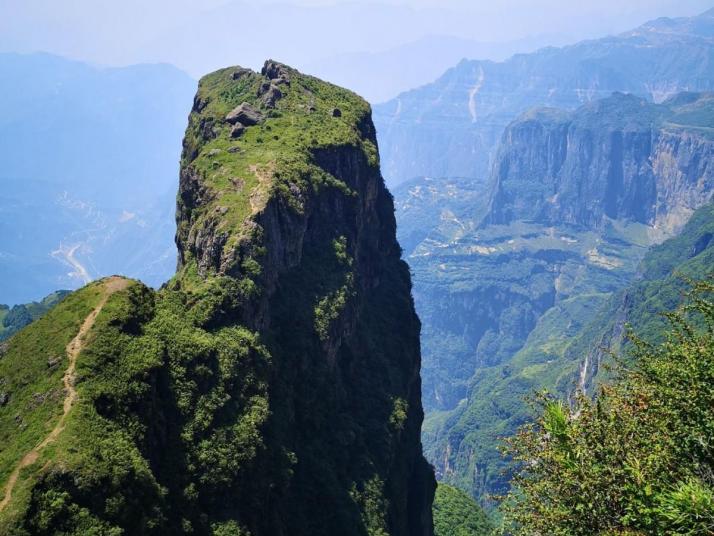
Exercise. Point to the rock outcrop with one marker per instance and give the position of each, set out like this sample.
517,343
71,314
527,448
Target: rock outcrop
245,114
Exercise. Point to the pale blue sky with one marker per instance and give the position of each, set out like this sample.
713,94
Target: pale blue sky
201,35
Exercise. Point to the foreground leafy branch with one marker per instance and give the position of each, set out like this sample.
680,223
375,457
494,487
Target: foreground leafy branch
637,460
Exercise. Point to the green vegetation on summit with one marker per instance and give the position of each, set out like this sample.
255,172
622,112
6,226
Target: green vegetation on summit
272,386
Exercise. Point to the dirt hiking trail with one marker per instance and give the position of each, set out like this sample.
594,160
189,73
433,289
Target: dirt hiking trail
111,285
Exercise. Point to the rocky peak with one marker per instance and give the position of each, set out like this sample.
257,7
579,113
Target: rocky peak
291,227
272,387
229,185
276,72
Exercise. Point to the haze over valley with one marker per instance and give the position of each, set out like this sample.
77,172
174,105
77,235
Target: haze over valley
393,268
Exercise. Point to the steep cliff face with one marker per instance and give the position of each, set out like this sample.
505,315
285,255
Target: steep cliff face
274,383
453,126
507,292
661,285
618,158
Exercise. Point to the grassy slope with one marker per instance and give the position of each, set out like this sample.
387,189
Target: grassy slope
35,388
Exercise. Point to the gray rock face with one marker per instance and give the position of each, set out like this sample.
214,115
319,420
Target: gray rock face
270,94
619,158
245,114
277,72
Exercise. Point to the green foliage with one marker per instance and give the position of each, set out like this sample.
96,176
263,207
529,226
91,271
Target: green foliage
398,418
638,458
457,514
338,281
688,508
372,503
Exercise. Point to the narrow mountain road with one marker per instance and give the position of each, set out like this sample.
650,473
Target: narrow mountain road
111,285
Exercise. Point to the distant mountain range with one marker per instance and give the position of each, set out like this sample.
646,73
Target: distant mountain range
452,127
379,76
378,48
90,157
528,193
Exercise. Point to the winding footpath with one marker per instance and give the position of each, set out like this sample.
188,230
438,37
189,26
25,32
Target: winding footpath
111,285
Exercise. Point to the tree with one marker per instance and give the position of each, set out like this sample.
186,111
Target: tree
637,460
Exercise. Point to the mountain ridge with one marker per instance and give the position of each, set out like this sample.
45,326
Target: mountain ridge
272,386
452,127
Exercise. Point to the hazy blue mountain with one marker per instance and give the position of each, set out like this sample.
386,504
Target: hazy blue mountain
452,127
196,36
379,76
377,48
89,159
505,283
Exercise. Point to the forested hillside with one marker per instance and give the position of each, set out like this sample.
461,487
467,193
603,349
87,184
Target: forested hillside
638,459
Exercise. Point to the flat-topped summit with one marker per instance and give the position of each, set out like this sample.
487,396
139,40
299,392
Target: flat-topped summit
255,137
